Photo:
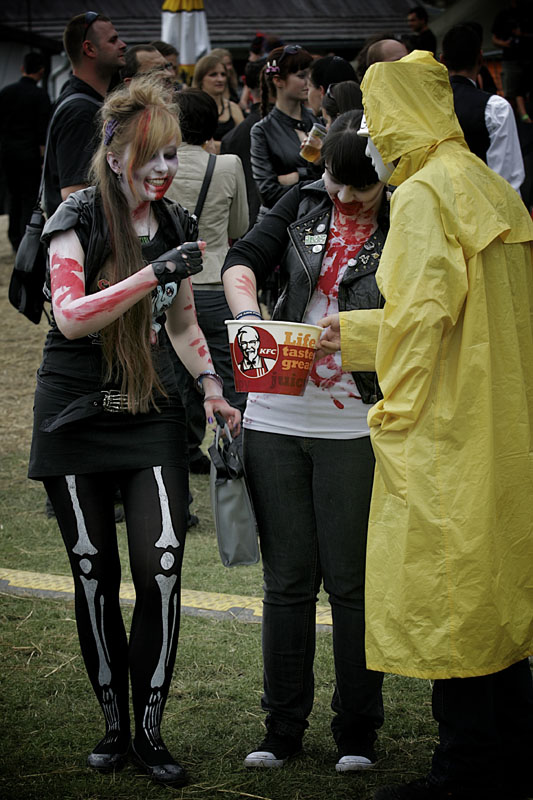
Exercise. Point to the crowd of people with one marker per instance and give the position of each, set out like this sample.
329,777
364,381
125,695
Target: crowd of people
401,479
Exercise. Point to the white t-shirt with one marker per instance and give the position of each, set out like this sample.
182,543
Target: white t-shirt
331,407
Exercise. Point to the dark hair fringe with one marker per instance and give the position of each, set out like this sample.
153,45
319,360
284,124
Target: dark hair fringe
344,152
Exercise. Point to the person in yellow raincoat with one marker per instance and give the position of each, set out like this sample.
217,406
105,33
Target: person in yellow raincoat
449,591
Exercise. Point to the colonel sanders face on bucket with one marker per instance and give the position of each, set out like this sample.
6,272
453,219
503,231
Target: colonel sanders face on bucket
253,364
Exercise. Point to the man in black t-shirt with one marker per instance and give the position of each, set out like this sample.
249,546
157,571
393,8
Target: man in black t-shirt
423,38
96,53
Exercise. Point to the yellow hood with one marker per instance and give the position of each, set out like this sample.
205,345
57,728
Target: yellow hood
393,95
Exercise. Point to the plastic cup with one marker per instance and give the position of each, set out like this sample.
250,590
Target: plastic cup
313,143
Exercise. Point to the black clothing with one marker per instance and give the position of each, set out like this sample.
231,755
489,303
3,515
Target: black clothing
25,114
426,40
280,238
153,500
506,24
470,103
224,127
73,434
238,142
472,758
275,150
82,456
73,140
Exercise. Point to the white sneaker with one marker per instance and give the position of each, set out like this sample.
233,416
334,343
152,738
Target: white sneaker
262,758
274,751
352,763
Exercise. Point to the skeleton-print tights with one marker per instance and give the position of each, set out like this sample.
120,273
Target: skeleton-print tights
155,503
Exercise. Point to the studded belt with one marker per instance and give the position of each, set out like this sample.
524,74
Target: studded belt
113,401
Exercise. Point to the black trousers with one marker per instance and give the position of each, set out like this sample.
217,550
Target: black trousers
485,731
23,183
311,498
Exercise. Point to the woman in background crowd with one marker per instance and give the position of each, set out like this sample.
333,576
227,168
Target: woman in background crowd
224,217
210,75
232,87
277,138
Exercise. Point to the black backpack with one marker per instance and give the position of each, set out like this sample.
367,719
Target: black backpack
29,273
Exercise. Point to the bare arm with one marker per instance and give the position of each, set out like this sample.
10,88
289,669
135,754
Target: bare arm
240,286
66,190
236,112
76,313
189,342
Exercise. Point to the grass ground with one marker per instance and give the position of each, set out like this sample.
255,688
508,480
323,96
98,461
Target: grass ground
50,720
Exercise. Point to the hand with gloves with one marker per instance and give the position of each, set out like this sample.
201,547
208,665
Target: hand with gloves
179,263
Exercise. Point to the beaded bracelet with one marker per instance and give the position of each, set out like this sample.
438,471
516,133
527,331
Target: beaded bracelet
213,397
208,373
248,313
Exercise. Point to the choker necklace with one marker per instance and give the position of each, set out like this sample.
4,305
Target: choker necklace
145,238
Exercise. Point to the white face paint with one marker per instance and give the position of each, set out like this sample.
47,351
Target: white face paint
384,171
151,180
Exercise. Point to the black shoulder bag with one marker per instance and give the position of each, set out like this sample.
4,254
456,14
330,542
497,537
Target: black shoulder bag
205,186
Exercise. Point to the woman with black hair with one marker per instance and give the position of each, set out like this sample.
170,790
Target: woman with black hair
277,138
308,459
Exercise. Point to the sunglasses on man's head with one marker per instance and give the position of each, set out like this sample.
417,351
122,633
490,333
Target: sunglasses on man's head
90,17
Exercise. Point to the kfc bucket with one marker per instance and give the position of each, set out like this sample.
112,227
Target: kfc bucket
272,357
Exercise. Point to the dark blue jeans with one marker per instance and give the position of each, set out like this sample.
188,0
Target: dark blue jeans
485,732
312,498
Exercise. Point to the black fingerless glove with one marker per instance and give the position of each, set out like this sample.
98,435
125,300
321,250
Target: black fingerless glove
187,258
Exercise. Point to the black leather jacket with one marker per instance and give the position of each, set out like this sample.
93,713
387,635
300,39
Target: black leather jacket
275,150
289,236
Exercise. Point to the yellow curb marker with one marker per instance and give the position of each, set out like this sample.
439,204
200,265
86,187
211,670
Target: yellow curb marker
249,608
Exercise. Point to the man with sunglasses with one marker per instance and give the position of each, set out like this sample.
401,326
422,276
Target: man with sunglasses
96,54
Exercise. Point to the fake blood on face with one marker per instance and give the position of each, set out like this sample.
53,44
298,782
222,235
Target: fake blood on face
158,192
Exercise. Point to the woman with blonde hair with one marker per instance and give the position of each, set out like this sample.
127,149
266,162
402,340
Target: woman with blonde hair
211,75
107,413
232,89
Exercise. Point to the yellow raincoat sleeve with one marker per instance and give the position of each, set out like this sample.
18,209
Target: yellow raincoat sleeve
423,277
359,338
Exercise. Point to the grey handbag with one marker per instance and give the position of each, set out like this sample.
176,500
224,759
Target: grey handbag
232,508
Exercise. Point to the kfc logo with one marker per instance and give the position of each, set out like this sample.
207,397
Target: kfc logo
258,351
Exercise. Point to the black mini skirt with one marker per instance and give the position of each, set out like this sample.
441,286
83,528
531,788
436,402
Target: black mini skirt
74,434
